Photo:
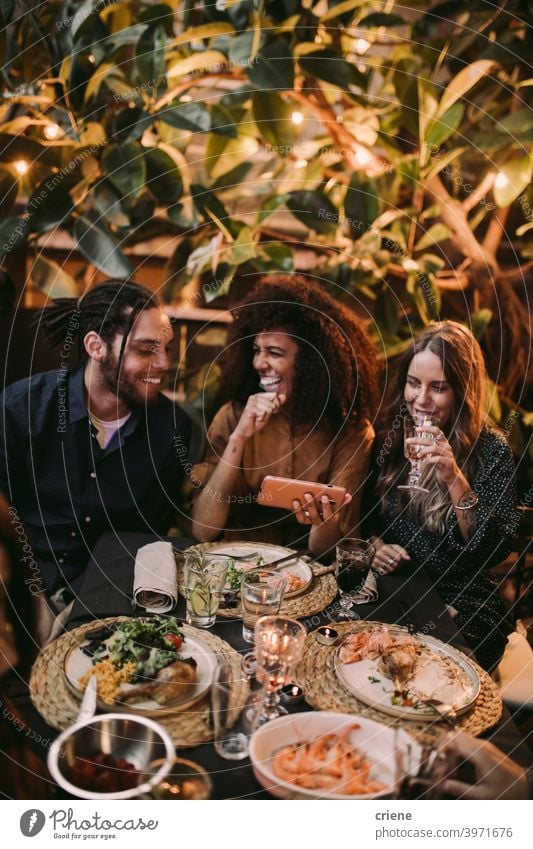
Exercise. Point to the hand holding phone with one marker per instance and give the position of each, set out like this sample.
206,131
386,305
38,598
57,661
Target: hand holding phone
283,492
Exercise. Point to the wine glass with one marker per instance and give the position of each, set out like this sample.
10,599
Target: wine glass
410,424
353,560
279,643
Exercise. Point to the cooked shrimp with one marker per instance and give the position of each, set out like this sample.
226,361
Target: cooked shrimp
330,762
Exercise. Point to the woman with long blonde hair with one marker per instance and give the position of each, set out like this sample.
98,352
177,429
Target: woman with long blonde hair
461,520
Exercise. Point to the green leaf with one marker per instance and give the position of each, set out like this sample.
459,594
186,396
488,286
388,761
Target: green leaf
125,166
212,61
440,130
381,19
240,49
280,256
441,163
463,82
130,123
361,204
163,176
150,56
194,117
273,68
272,204
479,321
330,66
160,13
435,234
273,118
314,209
340,9
233,178
220,286
223,121
513,178
223,154
13,234
50,203
8,293
52,279
100,247
8,190
387,313
206,203
243,248
108,204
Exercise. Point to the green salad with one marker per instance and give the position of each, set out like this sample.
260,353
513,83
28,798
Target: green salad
152,644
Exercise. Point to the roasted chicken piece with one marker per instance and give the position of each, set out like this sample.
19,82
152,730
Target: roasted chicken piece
169,685
398,664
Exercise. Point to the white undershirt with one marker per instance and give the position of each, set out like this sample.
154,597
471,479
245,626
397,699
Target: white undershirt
105,431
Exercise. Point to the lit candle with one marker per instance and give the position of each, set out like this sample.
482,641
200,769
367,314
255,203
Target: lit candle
291,694
326,635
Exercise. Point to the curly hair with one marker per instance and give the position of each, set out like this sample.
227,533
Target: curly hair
464,369
336,363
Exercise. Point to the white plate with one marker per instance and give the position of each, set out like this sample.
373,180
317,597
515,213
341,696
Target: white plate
376,741
365,680
76,663
269,553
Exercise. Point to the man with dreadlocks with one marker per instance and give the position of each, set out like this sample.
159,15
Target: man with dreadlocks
93,448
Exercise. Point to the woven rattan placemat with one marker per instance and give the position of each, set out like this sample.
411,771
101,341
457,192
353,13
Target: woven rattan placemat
323,690
321,593
59,707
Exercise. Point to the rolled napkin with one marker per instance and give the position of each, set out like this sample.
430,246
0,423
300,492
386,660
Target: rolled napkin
368,592
155,580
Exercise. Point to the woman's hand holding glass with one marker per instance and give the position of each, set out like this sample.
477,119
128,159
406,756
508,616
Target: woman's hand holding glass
432,448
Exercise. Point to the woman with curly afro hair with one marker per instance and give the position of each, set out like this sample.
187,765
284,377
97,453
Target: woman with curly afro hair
299,385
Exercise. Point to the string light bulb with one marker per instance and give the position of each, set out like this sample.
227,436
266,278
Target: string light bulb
297,118
362,156
51,131
21,167
501,181
362,45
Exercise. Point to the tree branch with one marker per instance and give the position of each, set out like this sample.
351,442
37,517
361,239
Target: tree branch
454,216
496,230
482,191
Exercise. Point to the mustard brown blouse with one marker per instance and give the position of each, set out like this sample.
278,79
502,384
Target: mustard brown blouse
340,458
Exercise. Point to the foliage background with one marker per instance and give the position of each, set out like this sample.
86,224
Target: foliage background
384,148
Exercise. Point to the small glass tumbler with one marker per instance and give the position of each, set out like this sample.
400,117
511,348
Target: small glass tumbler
186,781
230,741
261,595
203,590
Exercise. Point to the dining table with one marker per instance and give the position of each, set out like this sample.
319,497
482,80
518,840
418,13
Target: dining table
404,596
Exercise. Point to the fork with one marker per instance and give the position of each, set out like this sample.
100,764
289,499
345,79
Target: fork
443,709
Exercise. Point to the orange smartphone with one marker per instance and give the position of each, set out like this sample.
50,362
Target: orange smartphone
281,492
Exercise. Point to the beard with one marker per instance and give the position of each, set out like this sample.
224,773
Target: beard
126,387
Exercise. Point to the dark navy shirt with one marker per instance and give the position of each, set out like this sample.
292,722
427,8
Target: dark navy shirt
66,490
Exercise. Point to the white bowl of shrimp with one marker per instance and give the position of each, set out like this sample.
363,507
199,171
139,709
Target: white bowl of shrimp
322,755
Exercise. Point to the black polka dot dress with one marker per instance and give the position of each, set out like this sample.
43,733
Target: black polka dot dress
461,571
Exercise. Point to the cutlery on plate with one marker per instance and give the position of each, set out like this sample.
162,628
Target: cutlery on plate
88,703
443,709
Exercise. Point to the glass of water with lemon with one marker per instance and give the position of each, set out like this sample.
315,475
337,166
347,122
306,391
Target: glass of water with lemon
204,582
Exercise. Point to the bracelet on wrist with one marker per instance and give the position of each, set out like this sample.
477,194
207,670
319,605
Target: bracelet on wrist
467,501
